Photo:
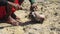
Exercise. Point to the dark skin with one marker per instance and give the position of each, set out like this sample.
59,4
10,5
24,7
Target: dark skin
32,8
13,19
10,19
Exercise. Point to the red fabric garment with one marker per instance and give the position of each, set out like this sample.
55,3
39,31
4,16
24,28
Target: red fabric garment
16,2
2,11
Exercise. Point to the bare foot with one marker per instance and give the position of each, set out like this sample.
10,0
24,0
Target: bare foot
12,21
38,17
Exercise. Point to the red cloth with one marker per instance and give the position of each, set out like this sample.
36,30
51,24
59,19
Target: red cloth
2,11
16,2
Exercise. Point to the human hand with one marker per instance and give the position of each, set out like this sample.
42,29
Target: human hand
17,7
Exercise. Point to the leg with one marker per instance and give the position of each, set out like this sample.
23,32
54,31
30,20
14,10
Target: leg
10,19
